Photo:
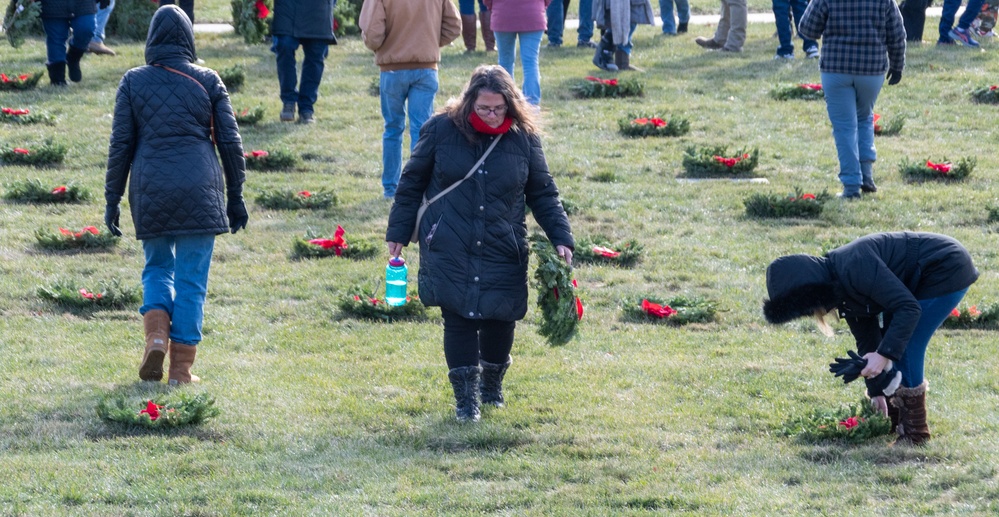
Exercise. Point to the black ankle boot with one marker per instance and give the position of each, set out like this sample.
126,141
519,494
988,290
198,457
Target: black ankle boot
465,382
491,385
681,28
57,73
73,58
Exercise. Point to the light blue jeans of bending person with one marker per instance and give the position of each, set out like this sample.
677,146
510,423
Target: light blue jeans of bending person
850,103
403,91
530,47
935,311
101,21
175,279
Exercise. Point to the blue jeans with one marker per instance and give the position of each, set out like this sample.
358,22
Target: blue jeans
101,21
585,31
666,13
950,9
556,22
530,46
850,103
314,53
467,7
175,279
935,311
57,31
783,10
402,91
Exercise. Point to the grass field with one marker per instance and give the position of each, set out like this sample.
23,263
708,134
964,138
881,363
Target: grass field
324,415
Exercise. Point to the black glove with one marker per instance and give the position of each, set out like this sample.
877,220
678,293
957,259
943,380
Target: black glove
894,76
885,383
103,4
850,368
236,210
111,215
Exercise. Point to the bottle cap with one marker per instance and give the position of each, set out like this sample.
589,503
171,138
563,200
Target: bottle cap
397,261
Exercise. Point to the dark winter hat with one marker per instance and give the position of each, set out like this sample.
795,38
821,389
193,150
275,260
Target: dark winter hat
798,285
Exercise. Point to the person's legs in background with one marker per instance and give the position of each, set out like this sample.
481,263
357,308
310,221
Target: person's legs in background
506,46
461,351
585,31
56,33
97,45
683,15
422,91
313,63
555,25
284,48
486,21
782,19
192,263
868,88
914,19
666,13
530,47
83,32
466,8
810,46
394,87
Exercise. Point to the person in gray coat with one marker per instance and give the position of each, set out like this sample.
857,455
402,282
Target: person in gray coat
170,116
309,24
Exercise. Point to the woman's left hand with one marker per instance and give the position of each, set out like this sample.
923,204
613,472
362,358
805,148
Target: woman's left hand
875,364
566,254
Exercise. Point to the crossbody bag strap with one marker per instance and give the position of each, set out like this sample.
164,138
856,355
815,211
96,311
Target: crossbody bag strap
211,113
427,202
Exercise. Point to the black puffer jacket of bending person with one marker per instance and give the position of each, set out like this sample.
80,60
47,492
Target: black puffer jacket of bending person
473,241
161,142
67,8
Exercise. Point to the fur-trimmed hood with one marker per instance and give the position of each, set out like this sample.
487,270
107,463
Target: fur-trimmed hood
798,285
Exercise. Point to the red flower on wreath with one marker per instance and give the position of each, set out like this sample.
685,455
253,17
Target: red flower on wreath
730,162
942,168
152,409
89,295
955,313
256,154
808,196
605,82
851,422
15,112
811,86
22,77
877,127
605,252
305,194
21,150
58,191
993,87
974,312
659,311
81,233
337,243
262,10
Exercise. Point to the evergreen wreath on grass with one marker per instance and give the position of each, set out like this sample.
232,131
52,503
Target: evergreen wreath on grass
943,171
289,199
46,154
679,310
249,19
270,160
233,77
892,128
168,410
345,16
22,17
561,309
130,19
312,246
25,116
108,295
250,116
986,318
986,95
803,91
853,423
87,238
773,206
635,126
599,250
594,87
33,191
716,162
20,82
361,305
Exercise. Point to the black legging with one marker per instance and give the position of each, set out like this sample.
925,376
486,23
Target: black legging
185,5
466,340
914,18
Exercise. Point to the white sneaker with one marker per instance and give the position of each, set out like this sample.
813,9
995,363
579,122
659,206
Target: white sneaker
812,53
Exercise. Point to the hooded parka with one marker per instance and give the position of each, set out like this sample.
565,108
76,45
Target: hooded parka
161,141
473,241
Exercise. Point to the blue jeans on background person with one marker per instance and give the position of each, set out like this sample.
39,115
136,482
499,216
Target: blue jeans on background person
403,91
101,21
585,31
175,279
950,9
314,53
57,32
530,47
467,7
666,13
556,23
935,311
850,103
783,10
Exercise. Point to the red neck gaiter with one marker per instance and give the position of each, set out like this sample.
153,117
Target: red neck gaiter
481,126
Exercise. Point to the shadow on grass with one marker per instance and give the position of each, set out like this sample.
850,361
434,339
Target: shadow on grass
451,436
106,430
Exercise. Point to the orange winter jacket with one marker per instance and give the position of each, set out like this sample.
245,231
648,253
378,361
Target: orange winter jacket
408,34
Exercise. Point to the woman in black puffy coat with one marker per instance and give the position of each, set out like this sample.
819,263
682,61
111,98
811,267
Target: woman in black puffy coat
58,17
473,241
169,117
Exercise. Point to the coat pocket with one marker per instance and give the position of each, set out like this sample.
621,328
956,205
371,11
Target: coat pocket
433,231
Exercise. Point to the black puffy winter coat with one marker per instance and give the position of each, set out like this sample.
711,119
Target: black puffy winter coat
473,241
67,8
304,19
161,142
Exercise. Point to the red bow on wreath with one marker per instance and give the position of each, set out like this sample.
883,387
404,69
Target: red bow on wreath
939,167
659,311
811,86
579,303
338,243
605,252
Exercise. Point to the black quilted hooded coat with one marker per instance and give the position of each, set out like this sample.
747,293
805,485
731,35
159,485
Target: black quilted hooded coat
473,241
161,142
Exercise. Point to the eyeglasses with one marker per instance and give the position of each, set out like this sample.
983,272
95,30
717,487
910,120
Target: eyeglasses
484,111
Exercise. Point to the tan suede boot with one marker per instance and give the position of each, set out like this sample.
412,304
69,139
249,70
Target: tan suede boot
468,31
181,359
486,20
157,326
911,403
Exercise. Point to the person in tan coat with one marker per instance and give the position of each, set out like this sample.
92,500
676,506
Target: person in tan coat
406,36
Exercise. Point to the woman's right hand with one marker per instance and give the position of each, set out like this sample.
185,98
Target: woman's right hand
880,405
394,248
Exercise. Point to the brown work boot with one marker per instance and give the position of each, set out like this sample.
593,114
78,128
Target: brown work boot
98,47
708,43
911,403
181,359
157,326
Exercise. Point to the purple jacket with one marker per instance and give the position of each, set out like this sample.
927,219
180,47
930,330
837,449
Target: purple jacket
518,15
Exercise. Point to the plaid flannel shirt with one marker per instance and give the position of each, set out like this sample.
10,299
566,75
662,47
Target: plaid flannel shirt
860,37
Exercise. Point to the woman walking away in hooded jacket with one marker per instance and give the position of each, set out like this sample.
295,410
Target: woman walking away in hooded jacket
473,240
169,117
894,290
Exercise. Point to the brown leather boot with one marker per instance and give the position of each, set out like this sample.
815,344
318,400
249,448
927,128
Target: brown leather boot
623,61
468,31
181,359
157,326
486,20
911,403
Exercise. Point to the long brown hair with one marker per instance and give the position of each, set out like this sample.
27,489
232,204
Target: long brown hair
493,79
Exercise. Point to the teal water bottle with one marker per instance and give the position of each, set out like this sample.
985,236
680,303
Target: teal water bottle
395,281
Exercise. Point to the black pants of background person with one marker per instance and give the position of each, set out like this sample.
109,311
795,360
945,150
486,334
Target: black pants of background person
565,11
186,5
494,339
914,18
